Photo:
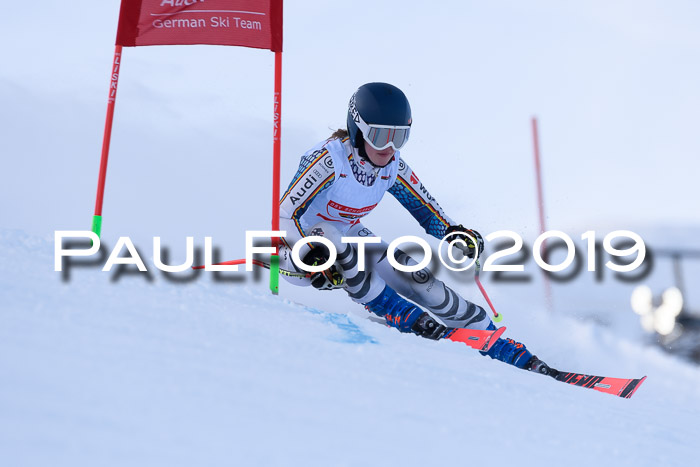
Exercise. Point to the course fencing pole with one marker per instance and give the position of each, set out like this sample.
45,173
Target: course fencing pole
540,204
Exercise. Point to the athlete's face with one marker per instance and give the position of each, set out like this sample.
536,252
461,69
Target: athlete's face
377,157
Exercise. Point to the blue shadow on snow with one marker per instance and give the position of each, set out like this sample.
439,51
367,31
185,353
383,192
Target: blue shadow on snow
351,334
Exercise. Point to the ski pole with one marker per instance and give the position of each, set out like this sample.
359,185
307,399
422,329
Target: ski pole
261,264
497,317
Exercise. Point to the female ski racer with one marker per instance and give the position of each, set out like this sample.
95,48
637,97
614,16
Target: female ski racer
341,180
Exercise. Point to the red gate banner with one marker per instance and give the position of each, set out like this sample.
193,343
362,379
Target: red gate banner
247,23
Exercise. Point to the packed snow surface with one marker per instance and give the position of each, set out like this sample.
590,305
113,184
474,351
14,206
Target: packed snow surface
100,369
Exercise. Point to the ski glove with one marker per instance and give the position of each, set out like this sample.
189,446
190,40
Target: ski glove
462,233
426,326
328,279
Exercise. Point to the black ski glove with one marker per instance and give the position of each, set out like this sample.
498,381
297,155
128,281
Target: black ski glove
426,326
329,279
461,233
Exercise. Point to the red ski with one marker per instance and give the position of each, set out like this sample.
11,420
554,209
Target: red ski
475,338
620,387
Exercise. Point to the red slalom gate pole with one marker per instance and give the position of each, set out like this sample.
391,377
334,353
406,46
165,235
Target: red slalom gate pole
276,158
116,64
540,203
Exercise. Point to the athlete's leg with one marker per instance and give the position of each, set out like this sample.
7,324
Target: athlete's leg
423,287
440,300
361,286
376,287
366,287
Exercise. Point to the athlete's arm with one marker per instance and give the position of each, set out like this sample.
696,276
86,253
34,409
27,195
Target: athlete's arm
411,193
315,174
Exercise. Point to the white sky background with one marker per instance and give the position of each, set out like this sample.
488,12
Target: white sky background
614,84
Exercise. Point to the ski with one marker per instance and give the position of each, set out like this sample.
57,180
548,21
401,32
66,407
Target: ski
476,339
620,387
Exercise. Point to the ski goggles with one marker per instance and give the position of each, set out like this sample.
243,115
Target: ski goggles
382,136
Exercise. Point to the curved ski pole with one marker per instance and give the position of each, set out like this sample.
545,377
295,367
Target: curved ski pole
262,264
497,317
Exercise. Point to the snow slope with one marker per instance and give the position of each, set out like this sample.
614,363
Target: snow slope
106,370
97,371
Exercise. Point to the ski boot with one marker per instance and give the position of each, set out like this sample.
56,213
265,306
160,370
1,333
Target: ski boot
405,316
396,310
508,351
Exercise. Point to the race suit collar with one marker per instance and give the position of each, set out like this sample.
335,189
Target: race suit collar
364,171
